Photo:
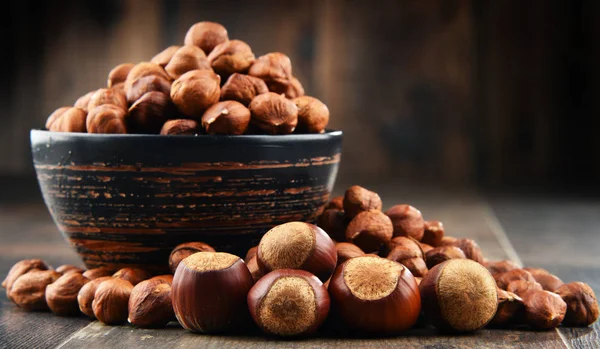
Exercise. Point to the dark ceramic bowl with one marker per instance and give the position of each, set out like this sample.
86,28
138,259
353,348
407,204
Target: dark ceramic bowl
127,200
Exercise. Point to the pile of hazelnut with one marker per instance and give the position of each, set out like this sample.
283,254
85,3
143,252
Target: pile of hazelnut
388,272
209,85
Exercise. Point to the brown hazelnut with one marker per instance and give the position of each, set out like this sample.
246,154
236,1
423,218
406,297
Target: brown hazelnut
164,56
407,242
67,119
29,290
119,88
147,84
143,69
149,113
206,35
502,279
297,245
251,253
459,295
346,250
86,294
582,305
98,272
289,302
433,233
133,275
275,69
254,269
520,287
195,91
242,88
336,203
294,89
186,59
226,118
61,295
107,96
424,247
410,258
182,251
548,281
469,247
358,199
374,295
166,278
68,268
370,230
407,221
83,101
233,56
21,268
544,310
118,74
313,115
448,241
273,114
334,222
106,118
209,292
150,304
496,267
510,309
180,127
441,254
111,300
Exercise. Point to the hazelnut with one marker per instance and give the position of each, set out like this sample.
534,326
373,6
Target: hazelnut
67,119
374,295
520,287
206,35
182,251
143,69
433,233
107,96
407,242
195,91
242,88
548,281
150,304
133,275
21,268
544,310
441,254
358,199
86,294
313,115
333,221
187,58
251,253
407,221
61,295
209,292
336,203
147,84
469,247
83,101
118,74
424,247
273,114
28,291
254,269
179,127
164,56
227,118
233,56
297,245
275,69
294,89
510,309
582,305
502,279
98,272
410,258
459,295
106,118
346,250
119,88
496,267
448,241
370,230
289,302
68,268
166,278
111,300
149,113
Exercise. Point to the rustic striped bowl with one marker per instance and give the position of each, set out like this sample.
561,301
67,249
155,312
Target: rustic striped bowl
127,200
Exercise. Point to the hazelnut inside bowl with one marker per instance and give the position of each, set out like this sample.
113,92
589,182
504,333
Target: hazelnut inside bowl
126,200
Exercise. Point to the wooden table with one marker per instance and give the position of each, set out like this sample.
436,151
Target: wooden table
559,234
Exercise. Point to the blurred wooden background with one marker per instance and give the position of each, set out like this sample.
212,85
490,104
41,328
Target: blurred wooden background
456,92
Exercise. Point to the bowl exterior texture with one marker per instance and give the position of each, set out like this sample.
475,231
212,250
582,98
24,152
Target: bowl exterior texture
127,200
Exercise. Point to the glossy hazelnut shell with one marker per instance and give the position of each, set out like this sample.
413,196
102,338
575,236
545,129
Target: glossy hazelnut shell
441,254
61,295
147,84
334,222
111,300
133,275
263,286
233,56
106,118
119,74
195,91
243,88
21,268
163,57
369,230
226,118
496,267
502,279
548,281
67,119
206,35
582,305
149,113
69,268
407,221
187,58
181,251
358,199
275,69
98,272
143,69
511,310
433,233
273,114
347,250
313,115
29,290
544,310
180,127
107,96
150,304
86,294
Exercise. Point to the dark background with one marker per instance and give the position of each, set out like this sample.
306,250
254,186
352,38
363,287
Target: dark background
456,93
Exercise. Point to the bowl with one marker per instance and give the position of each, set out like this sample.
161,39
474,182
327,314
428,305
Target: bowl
127,200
